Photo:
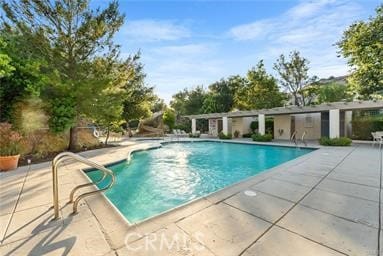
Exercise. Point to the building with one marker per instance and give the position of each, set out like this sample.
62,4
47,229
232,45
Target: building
330,119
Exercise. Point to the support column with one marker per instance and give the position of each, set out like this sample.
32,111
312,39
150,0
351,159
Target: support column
225,125
194,126
261,124
334,123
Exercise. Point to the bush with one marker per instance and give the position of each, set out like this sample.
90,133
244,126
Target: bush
247,135
10,140
169,118
269,125
341,141
236,134
363,126
262,138
223,136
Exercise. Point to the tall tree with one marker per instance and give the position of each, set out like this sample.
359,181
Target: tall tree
362,45
260,90
139,97
69,36
332,92
188,102
294,76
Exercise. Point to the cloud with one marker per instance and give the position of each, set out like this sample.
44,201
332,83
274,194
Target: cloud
313,28
154,30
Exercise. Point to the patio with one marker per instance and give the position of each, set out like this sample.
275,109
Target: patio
323,203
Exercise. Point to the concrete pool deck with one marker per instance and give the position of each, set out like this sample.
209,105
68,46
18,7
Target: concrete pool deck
324,203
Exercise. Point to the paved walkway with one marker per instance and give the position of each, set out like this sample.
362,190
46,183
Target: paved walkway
324,203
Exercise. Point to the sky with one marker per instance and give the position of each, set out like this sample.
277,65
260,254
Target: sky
188,43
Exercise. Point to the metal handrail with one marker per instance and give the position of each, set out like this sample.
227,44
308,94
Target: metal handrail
294,137
69,155
303,138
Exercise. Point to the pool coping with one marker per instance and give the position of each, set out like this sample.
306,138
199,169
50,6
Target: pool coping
116,238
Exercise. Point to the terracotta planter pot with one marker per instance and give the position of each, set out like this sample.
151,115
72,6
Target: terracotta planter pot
9,162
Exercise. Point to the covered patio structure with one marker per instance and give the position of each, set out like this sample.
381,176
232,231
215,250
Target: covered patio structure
330,119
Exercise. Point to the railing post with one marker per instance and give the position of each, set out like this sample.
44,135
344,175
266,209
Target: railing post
55,191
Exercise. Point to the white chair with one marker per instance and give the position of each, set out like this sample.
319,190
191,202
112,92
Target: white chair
377,137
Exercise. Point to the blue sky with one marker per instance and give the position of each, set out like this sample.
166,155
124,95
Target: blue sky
189,43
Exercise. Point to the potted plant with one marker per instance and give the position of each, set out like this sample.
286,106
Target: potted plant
9,147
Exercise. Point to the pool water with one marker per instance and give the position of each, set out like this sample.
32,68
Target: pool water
160,179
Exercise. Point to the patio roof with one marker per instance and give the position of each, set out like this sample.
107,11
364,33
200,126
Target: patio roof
287,110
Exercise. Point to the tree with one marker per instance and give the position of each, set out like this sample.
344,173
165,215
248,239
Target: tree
139,97
22,74
220,97
332,92
6,68
69,36
169,118
294,75
362,45
260,90
188,102
157,104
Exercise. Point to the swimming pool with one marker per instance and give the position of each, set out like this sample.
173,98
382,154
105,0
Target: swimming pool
158,180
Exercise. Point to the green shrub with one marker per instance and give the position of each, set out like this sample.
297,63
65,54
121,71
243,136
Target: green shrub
223,136
262,138
247,135
341,141
269,125
236,134
363,126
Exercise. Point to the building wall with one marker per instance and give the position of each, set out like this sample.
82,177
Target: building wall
237,125
283,123
213,127
311,123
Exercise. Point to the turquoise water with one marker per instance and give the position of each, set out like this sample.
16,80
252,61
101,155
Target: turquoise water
160,179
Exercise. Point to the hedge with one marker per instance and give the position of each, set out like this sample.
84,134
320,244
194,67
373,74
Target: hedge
341,141
262,138
223,136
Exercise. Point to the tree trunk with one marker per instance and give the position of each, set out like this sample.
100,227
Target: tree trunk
72,139
107,136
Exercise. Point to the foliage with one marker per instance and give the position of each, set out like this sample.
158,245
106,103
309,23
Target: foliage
247,135
9,140
6,68
26,78
294,76
61,114
332,92
139,97
262,138
157,104
236,134
259,90
169,118
341,141
188,102
183,124
364,125
223,136
253,126
72,39
269,125
362,45
221,95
